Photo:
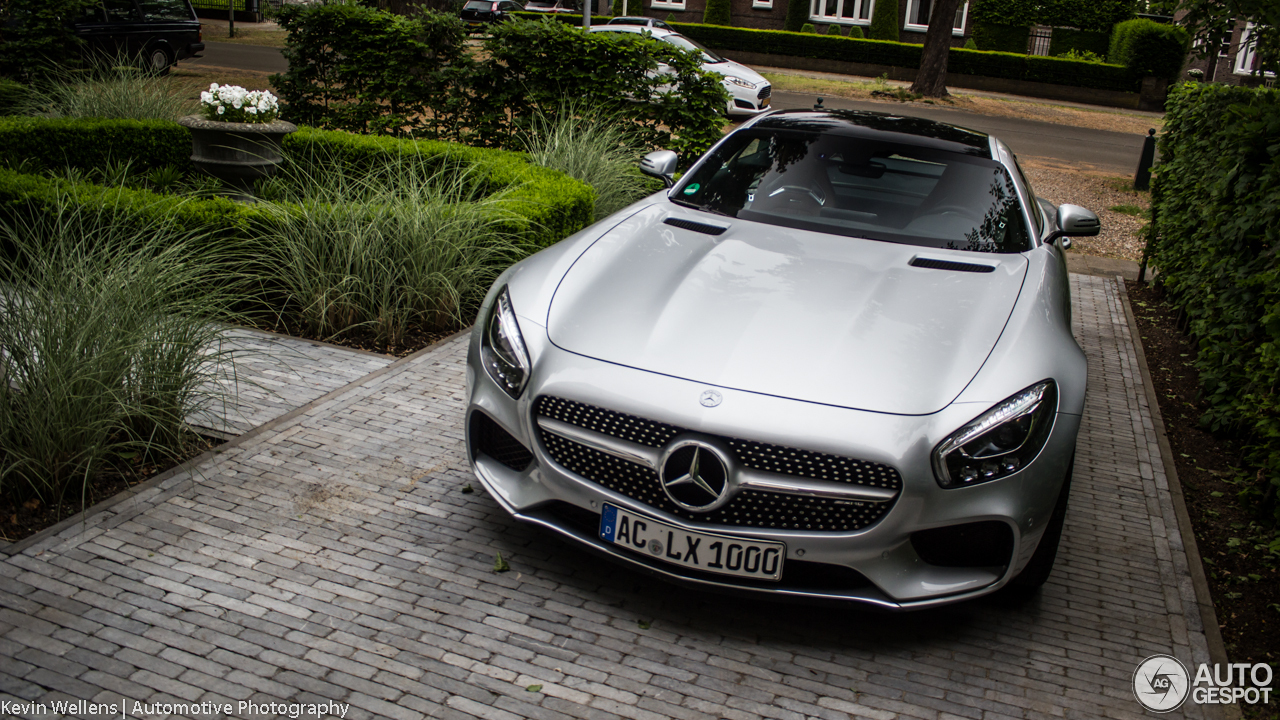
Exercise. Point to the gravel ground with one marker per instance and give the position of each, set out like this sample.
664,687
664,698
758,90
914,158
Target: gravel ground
1099,191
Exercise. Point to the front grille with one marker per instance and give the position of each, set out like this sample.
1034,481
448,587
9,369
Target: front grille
750,508
764,92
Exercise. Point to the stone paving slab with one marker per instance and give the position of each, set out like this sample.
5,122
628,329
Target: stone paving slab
276,373
334,557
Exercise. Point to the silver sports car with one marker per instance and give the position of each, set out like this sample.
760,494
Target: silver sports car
833,361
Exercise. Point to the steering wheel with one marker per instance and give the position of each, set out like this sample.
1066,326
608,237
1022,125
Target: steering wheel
954,209
796,189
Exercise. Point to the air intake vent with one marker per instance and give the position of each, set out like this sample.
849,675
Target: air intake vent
489,438
695,226
950,265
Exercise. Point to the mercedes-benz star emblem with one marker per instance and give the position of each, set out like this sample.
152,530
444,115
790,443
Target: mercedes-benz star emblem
695,476
710,398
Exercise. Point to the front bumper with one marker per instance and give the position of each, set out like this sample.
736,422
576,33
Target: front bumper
877,564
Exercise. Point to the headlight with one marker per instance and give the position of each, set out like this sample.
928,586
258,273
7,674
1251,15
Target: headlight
740,82
502,349
1000,442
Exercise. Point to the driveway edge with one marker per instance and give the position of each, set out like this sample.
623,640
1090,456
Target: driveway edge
1204,599
152,488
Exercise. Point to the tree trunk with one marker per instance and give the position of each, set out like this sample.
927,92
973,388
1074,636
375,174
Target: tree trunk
931,80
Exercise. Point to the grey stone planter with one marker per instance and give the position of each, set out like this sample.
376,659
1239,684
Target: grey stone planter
236,153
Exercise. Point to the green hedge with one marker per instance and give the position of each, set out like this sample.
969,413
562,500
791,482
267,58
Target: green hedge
1147,47
85,144
1066,39
1216,201
1001,38
551,205
1013,66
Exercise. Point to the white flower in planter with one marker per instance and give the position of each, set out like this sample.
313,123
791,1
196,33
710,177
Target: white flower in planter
233,103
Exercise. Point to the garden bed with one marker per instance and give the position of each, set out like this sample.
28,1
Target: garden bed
1243,573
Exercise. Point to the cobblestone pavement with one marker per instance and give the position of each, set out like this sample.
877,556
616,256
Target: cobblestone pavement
335,556
277,373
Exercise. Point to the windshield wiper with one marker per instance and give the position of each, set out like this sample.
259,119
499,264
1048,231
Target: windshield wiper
703,208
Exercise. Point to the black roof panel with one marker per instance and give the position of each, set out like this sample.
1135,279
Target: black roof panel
910,130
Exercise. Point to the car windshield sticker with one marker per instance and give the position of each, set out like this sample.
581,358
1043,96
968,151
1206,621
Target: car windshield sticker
693,188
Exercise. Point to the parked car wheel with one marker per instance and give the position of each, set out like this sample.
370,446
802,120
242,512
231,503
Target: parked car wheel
158,60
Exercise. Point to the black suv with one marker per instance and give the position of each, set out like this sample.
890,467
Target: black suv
478,12
160,32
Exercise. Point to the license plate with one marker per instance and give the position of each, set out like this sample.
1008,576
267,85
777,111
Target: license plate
720,554
764,103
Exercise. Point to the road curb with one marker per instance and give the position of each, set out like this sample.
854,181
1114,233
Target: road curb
1204,599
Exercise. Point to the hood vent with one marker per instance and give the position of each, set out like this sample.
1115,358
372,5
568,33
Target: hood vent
695,226
950,265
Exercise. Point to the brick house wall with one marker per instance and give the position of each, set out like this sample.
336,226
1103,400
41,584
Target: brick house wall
770,15
1234,63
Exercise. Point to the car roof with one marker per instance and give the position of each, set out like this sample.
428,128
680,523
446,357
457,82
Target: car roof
657,32
887,126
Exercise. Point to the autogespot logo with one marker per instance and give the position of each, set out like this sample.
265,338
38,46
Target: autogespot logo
1161,683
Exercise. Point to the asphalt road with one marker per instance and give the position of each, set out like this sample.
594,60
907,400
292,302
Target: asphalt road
1110,151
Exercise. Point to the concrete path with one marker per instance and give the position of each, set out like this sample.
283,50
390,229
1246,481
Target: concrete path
335,555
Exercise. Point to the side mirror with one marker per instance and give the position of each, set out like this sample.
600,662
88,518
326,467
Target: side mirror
1075,221
660,164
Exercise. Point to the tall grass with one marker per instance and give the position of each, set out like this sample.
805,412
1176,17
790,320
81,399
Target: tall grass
384,253
106,90
106,346
592,147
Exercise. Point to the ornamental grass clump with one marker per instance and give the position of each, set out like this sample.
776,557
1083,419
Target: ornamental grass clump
232,103
106,347
388,253
592,147
106,90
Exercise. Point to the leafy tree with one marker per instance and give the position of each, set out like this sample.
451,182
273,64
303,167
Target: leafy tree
1209,20
797,15
931,78
1012,13
884,21
37,33
717,13
1098,15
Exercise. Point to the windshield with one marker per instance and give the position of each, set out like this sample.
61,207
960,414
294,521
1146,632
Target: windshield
684,43
861,188
483,5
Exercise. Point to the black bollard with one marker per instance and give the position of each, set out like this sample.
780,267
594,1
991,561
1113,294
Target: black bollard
1142,180
818,105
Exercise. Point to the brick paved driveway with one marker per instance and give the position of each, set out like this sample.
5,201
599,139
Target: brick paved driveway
332,556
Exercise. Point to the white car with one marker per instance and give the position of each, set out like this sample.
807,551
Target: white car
748,90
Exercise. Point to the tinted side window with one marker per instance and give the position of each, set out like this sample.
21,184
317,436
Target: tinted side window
165,10
121,10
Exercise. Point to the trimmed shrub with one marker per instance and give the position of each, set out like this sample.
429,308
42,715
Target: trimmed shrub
1002,38
797,15
1216,209
549,205
855,32
969,44
1066,39
717,12
808,28
834,29
884,21
1150,48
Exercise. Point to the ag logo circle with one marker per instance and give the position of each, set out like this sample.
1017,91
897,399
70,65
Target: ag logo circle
1161,683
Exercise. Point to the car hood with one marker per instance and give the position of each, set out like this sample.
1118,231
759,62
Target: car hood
733,69
790,313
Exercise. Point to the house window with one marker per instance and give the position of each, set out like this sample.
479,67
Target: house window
764,4
667,4
850,12
1247,54
918,16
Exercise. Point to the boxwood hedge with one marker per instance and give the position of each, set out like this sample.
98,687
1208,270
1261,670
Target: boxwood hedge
1216,203
549,204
